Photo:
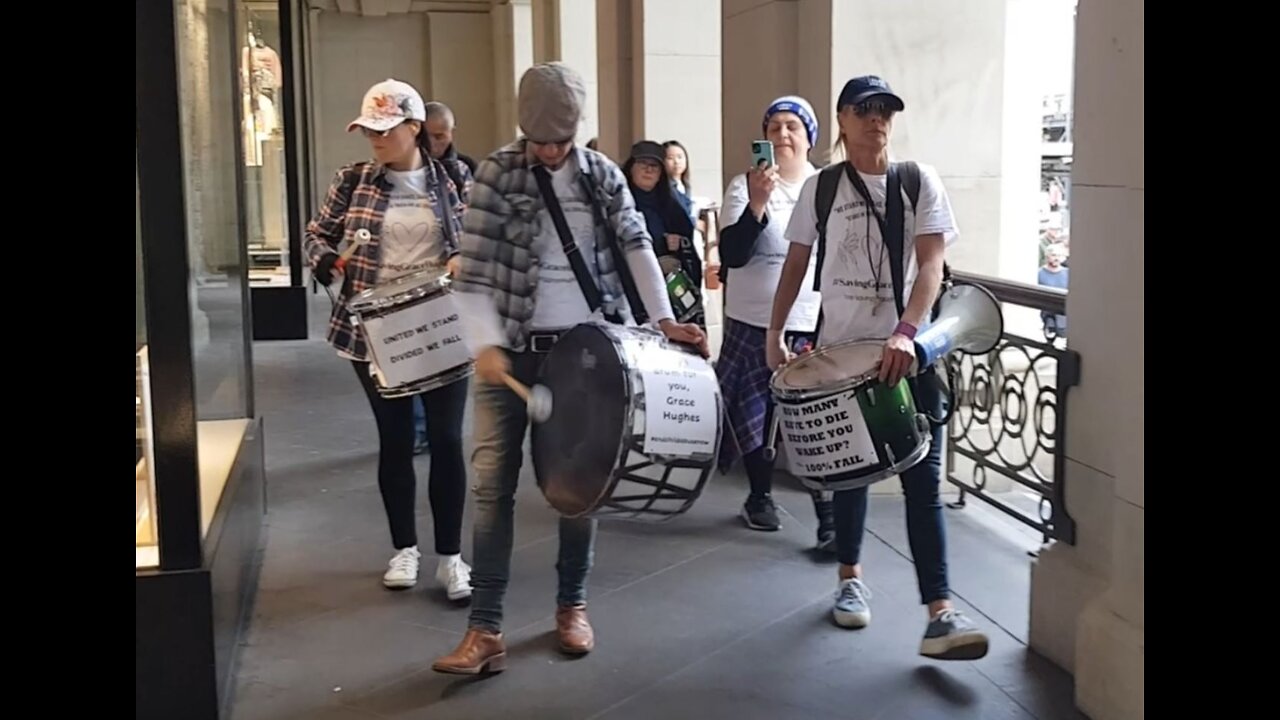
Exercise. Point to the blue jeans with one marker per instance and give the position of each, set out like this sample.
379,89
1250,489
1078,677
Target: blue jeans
500,425
925,532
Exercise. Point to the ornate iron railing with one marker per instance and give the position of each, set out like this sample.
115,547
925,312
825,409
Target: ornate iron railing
1008,429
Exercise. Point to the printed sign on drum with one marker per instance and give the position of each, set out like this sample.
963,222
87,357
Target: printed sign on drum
418,341
827,436
680,413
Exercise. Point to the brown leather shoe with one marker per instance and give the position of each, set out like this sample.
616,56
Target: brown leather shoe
479,652
576,635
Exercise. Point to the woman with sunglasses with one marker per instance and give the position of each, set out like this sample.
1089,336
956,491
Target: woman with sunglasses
859,302
411,210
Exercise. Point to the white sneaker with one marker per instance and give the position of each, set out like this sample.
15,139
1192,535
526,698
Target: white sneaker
403,570
455,575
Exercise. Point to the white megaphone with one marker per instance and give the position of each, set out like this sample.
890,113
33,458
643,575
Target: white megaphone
969,321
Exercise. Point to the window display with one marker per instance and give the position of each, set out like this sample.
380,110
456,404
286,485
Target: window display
262,123
146,550
199,478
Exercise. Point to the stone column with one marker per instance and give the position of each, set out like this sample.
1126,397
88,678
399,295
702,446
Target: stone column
1088,600
513,54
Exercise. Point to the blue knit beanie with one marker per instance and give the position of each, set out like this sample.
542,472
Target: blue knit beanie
799,106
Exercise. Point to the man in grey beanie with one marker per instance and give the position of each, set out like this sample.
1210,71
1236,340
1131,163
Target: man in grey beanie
521,286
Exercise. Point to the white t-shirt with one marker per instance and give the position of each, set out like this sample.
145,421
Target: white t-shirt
750,289
856,285
558,302
412,238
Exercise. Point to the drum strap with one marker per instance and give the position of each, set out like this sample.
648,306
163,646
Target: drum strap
442,197
638,310
588,285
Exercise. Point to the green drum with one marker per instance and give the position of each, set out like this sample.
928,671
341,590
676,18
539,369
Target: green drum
845,429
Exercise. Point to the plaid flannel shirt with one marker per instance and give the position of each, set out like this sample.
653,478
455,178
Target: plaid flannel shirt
357,199
458,170
503,219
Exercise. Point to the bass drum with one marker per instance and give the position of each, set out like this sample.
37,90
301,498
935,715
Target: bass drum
634,430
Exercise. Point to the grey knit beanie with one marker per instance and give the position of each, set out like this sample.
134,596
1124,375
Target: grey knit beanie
550,102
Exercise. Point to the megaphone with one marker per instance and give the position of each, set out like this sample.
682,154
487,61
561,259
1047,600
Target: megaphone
969,321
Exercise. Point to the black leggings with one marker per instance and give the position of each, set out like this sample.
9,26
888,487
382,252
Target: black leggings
396,479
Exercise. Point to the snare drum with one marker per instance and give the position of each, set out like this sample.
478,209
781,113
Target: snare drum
844,428
635,424
414,333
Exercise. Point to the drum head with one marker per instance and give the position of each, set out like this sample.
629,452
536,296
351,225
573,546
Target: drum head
577,448
401,290
829,369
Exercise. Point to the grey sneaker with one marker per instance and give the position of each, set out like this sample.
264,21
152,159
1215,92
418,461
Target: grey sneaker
952,636
851,609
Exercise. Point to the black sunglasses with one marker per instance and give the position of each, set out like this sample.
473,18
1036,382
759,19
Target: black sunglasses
879,108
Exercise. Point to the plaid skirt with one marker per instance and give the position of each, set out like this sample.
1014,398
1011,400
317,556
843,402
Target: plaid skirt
744,386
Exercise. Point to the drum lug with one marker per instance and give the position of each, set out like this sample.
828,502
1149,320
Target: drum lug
923,424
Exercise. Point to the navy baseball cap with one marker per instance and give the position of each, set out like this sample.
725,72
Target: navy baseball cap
865,88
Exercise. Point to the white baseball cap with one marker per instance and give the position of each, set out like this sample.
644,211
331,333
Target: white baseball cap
388,104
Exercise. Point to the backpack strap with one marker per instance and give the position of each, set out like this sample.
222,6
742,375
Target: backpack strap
909,172
893,230
828,184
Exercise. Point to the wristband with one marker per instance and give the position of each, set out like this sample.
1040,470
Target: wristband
906,330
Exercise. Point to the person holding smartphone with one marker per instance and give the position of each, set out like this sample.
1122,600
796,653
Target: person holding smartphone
757,208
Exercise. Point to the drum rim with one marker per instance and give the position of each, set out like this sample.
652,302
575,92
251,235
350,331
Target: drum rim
785,394
436,282
418,387
628,421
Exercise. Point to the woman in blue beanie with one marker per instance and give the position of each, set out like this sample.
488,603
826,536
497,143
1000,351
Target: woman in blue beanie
757,208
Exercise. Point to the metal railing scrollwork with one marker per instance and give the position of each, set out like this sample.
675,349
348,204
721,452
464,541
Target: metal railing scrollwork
1008,429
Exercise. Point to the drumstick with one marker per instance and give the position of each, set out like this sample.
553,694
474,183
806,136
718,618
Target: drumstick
362,236
537,399
517,387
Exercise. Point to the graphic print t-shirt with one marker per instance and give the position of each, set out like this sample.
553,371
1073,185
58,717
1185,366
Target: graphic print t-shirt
412,238
750,289
856,285
559,302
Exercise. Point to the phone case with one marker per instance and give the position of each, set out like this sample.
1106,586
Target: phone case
761,150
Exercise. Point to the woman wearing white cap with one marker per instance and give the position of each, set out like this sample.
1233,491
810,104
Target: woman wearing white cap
757,208
411,210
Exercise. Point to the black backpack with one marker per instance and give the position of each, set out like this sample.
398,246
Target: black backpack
904,175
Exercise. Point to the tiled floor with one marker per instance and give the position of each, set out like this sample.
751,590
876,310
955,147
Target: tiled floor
699,618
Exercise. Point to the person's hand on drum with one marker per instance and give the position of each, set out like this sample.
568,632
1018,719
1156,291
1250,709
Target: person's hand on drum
454,266
687,333
776,353
491,365
896,360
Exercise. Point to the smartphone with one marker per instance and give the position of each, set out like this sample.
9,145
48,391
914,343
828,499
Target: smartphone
761,154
